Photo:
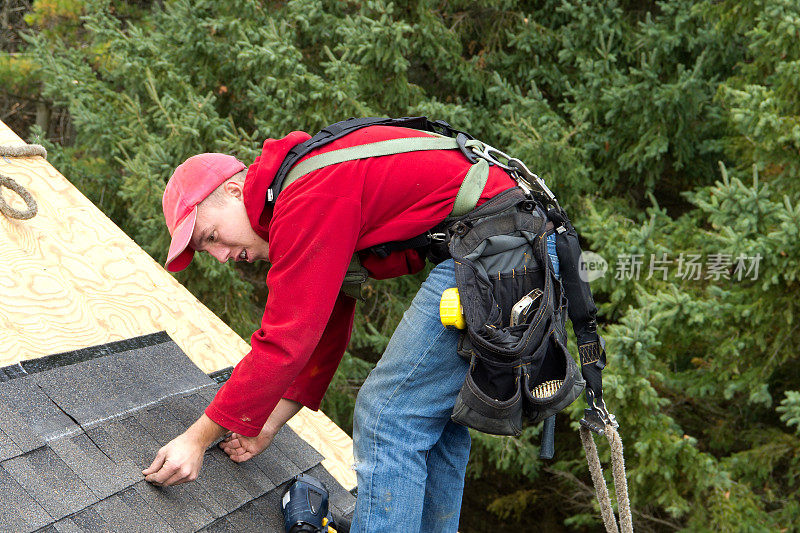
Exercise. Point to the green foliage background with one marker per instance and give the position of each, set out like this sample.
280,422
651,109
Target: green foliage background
664,127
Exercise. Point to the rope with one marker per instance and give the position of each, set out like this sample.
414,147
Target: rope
25,150
620,482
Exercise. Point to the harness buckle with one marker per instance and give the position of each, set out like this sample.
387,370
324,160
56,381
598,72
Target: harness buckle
441,127
461,141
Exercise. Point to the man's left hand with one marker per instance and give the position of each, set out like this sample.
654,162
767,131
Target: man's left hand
240,448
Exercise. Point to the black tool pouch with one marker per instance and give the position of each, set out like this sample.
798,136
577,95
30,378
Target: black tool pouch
491,398
554,384
516,372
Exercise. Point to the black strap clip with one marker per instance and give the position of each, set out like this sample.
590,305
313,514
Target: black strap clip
441,127
461,140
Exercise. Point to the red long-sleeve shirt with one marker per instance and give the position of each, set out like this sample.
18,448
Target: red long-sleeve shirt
317,224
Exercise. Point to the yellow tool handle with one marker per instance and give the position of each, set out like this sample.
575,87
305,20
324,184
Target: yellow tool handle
326,523
450,311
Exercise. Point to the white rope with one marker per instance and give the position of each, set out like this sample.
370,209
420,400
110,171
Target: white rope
25,150
620,482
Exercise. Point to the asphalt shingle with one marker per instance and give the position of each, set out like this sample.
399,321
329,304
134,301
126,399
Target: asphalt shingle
269,507
175,371
246,518
34,406
17,428
208,393
125,439
66,525
120,382
274,463
221,525
176,505
97,470
248,474
50,481
160,423
127,519
106,381
7,447
186,408
225,488
151,518
76,431
19,511
90,521
299,451
11,372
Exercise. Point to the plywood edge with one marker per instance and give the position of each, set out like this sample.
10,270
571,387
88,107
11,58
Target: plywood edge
329,440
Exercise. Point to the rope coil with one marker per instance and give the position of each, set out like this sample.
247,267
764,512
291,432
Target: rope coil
620,482
25,150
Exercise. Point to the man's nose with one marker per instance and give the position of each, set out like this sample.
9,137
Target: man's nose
220,253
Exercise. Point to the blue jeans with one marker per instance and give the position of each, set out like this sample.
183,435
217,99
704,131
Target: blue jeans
410,457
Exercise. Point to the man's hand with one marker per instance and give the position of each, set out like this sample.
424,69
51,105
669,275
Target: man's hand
180,460
240,448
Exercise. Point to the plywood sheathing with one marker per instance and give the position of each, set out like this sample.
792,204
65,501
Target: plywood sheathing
72,279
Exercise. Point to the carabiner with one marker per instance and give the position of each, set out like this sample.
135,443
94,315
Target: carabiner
488,153
596,417
525,178
531,179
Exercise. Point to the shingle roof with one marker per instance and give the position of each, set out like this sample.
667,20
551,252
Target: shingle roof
76,429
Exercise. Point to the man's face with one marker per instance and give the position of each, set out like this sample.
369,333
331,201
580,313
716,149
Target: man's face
223,230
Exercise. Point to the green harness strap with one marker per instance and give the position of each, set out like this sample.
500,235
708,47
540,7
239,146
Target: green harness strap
363,151
471,188
467,198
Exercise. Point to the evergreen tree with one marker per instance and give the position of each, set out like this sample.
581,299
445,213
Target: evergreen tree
667,129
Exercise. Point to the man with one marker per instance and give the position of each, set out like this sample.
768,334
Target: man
410,458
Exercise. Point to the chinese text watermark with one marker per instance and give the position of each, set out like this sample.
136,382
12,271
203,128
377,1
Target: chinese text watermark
686,266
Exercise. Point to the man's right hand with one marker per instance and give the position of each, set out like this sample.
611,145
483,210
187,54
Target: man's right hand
180,460
240,448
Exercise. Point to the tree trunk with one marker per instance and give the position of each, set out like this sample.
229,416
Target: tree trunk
43,117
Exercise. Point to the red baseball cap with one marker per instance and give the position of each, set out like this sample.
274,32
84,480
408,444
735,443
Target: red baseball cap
190,184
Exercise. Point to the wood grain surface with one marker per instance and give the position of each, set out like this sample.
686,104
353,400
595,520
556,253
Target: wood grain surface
71,279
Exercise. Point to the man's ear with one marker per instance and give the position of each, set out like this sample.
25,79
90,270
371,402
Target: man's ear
235,189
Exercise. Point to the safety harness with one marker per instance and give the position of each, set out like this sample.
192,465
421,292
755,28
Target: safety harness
444,138
519,371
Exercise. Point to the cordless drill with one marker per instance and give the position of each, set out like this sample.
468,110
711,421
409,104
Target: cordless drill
305,506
